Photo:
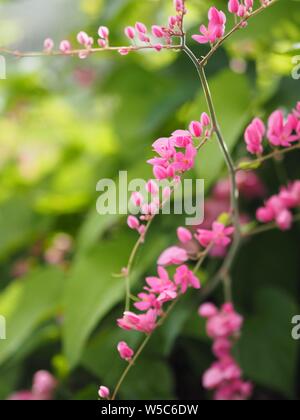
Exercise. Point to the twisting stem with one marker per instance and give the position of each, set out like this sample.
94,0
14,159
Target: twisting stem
230,165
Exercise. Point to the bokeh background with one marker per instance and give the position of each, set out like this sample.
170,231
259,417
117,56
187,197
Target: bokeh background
64,125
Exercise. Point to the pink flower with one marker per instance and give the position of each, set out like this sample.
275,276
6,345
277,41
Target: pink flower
282,132
208,310
219,235
157,31
181,138
196,129
141,28
152,187
48,45
284,220
184,235
233,6
222,347
161,283
173,256
130,32
254,135
147,301
125,351
104,392
145,323
226,323
65,47
186,278
137,199
215,29
44,385
103,32
23,396
133,222
205,120
183,162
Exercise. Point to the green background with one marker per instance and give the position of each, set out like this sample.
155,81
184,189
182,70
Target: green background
64,125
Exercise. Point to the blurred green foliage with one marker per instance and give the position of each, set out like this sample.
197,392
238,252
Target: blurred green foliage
67,123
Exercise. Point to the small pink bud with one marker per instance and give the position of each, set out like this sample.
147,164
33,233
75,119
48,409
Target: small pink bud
48,45
124,51
104,392
207,310
196,129
167,192
141,28
233,6
129,32
65,47
184,235
103,32
137,199
133,222
158,47
242,11
157,31
83,38
125,351
152,187
102,43
205,120
172,21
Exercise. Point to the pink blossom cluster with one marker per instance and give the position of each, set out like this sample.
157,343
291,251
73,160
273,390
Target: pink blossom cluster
224,377
43,388
279,207
282,131
240,8
159,290
139,33
176,154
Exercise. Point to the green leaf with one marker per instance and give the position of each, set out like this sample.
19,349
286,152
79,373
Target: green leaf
92,290
233,111
40,297
267,351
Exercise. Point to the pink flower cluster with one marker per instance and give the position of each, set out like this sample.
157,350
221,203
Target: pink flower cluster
43,388
240,8
279,207
140,32
159,290
176,154
224,377
215,29
137,33
281,131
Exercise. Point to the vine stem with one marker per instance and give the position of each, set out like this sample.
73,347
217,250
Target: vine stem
223,273
273,155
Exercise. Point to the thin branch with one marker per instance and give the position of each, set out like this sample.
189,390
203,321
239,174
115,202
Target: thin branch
248,165
84,51
237,27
